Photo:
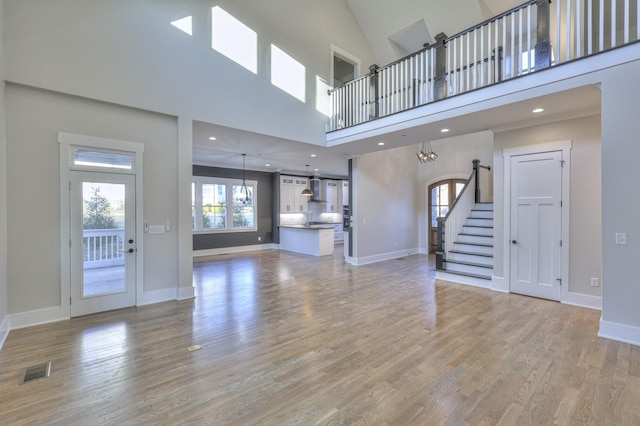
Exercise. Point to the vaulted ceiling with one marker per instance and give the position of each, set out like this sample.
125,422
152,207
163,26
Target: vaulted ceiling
395,32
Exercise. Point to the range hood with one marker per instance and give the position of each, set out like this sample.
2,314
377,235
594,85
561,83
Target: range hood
317,194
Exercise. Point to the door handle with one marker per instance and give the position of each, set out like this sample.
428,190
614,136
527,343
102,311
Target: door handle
514,242
127,251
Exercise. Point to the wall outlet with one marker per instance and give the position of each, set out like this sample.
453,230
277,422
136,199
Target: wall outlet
621,238
259,238
595,282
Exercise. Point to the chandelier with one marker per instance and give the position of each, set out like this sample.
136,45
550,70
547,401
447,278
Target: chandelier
426,153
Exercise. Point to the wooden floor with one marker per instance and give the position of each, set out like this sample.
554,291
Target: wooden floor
292,339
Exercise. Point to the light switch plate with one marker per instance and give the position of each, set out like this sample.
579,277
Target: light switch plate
156,229
621,238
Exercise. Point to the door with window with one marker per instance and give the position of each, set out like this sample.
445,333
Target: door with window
103,241
441,197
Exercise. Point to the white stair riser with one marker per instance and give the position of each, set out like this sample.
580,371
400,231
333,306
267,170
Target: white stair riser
481,214
484,206
472,248
470,269
477,230
479,222
470,258
480,239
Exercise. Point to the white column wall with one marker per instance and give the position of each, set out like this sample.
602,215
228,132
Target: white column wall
621,202
4,323
385,205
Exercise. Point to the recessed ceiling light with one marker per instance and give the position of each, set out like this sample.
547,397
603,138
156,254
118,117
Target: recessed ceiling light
444,130
313,155
267,165
212,138
316,170
380,143
537,110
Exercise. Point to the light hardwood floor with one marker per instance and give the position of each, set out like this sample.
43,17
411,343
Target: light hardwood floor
292,339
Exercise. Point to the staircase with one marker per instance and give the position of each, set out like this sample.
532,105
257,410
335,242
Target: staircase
472,254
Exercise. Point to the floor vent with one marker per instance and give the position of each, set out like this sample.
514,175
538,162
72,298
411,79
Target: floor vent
36,372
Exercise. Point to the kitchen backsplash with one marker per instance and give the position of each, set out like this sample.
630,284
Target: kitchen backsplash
301,218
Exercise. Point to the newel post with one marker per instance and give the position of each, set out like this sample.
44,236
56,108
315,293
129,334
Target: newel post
476,164
440,81
543,46
374,91
440,246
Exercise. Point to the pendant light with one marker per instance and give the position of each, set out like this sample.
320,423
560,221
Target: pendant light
307,192
243,196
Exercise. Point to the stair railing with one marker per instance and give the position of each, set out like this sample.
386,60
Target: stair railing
452,224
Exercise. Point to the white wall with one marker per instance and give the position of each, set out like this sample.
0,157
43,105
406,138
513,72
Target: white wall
621,199
34,118
126,52
455,156
585,236
4,326
385,191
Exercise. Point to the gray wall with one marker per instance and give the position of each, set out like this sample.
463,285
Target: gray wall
128,53
265,211
585,233
34,118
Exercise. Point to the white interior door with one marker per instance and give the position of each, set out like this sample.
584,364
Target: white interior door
103,246
536,224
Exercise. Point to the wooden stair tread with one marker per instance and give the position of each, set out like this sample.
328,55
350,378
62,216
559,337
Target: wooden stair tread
462,262
470,253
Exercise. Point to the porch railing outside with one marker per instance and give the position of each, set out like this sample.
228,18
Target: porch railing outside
531,37
103,247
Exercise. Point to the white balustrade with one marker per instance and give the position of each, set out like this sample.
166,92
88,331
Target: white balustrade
497,50
103,247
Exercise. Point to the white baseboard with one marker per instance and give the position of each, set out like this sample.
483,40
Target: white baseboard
186,293
4,330
619,332
423,250
461,279
499,284
358,261
157,296
582,300
230,250
37,317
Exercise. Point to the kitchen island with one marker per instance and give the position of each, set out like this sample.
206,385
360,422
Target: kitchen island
315,240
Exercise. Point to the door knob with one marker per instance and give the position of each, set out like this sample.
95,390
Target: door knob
130,250
514,242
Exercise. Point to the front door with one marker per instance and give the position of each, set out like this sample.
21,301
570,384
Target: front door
536,224
103,246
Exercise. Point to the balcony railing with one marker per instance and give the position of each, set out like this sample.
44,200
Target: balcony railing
526,39
103,247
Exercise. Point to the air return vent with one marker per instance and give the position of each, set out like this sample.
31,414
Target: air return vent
36,372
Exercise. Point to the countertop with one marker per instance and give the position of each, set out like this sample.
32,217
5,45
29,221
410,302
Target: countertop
317,226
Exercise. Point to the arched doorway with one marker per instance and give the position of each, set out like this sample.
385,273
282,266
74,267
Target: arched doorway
442,194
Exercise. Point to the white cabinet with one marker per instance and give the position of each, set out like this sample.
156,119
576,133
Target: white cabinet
331,195
291,198
338,233
345,192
